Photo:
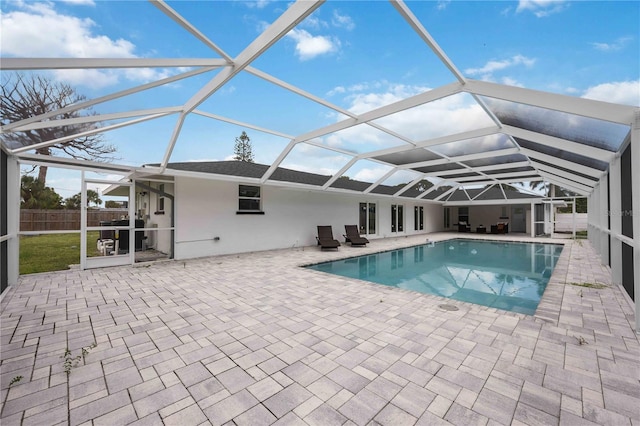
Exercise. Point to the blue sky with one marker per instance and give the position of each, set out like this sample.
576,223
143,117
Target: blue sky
357,54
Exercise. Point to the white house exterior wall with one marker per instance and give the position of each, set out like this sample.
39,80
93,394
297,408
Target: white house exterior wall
207,222
488,215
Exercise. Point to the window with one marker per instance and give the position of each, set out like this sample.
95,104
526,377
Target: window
367,218
397,218
418,218
160,205
447,218
249,198
463,215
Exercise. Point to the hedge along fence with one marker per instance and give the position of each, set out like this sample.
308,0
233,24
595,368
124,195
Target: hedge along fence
62,220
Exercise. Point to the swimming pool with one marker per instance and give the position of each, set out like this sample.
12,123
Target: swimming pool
504,275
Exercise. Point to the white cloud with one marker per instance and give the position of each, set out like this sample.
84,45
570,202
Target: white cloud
342,21
96,79
363,99
312,159
542,8
259,4
620,92
618,44
309,46
38,30
442,4
511,82
314,22
42,32
490,67
371,174
336,90
79,2
453,114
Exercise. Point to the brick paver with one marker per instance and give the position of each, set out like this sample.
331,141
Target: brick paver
254,339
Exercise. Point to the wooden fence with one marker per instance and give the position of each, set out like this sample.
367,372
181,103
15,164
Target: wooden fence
58,220
564,222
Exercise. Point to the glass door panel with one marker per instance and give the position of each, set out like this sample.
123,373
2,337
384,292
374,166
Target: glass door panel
107,237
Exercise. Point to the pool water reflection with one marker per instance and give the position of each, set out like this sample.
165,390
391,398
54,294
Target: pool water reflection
503,275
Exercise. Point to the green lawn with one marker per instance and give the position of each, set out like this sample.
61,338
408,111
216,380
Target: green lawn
52,252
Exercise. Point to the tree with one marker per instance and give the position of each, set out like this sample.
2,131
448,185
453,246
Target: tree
242,149
110,204
423,185
75,201
34,195
548,189
24,97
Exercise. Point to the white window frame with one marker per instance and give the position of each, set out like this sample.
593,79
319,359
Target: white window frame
367,223
160,201
245,197
418,218
397,218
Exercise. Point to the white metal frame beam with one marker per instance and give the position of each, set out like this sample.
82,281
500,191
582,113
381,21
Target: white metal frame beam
402,8
495,177
621,114
295,14
242,124
573,186
28,64
97,118
635,195
469,169
559,143
535,155
462,158
167,10
102,99
563,174
457,137
87,133
490,202
422,98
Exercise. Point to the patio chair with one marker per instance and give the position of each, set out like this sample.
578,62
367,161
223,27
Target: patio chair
464,227
352,235
325,237
500,228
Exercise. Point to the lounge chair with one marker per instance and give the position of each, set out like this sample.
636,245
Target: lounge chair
464,227
352,235
325,238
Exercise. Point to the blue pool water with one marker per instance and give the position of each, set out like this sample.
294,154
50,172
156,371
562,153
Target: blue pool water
503,275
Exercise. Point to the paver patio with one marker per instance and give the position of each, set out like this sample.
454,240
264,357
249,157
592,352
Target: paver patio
253,339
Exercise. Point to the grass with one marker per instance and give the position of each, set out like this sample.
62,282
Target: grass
591,285
52,252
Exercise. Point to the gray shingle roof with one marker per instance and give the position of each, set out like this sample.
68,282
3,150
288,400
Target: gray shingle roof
281,174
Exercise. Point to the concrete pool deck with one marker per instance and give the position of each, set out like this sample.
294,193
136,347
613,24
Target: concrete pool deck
253,339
